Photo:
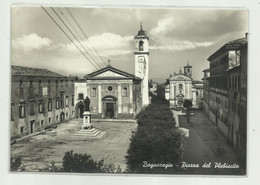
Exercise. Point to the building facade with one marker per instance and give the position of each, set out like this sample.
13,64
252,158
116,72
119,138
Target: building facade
39,98
142,63
181,86
225,88
206,91
113,93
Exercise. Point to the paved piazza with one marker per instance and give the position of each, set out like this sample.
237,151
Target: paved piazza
38,151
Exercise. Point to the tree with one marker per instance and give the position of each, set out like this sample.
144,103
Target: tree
187,104
156,141
73,162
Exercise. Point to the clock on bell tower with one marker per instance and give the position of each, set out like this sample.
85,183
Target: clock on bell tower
142,62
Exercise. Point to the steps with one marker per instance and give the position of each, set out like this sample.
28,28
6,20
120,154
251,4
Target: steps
90,133
115,120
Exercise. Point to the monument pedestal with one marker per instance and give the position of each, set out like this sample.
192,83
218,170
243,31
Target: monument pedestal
87,120
88,131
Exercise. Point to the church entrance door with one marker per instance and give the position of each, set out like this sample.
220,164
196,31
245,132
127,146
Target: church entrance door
109,107
110,111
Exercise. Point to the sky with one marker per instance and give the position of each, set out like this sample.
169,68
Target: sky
176,36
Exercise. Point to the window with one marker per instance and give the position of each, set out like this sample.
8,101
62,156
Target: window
12,112
72,100
22,111
80,96
57,88
31,90
67,114
180,87
40,87
50,105
21,130
62,100
109,88
32,108
49,88
41,104
141,46
57,118
42,122
124,92
93,92
67,101
57,104
21,89
49,120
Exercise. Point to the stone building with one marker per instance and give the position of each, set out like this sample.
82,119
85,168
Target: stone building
206,91
181,86
114,93
223,87
237,97
39,98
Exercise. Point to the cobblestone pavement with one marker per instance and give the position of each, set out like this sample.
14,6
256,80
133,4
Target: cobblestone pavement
38,151
207,144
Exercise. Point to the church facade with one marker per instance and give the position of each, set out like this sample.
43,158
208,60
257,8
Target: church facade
113,93
181,86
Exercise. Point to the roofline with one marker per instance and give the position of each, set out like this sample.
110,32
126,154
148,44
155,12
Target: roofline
45,76
226,47
89,76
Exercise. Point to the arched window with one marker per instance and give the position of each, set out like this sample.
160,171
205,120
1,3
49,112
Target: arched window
93,92
124,92
141,46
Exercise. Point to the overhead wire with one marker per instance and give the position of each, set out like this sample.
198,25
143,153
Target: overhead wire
72,16
67,36
63,14
75,37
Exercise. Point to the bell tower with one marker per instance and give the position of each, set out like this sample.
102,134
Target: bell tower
188,70
142,62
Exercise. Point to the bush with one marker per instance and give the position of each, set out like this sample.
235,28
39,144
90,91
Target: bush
156,141
16,164
84,163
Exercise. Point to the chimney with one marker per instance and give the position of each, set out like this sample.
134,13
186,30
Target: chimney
246,34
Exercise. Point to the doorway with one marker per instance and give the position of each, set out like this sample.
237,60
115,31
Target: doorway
110,110
61,117
109,107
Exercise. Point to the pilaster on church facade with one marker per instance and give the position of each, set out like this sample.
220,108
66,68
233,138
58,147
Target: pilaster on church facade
182,87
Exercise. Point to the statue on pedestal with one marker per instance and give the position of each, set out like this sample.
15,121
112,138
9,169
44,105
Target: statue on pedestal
87,115
86,104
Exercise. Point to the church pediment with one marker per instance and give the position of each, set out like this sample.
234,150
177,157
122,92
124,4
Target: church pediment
180,78
110,73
